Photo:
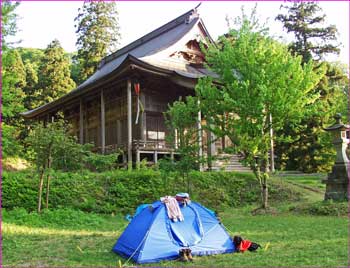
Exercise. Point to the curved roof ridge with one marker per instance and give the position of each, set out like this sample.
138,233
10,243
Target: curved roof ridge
151,35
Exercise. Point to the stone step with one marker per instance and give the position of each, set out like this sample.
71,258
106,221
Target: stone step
228,162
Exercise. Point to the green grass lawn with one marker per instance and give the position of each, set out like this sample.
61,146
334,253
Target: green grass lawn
73,238
313,181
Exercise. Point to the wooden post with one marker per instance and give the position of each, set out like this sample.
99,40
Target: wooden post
209,150
103,124
176,139
155,157
81,123
213,144
172,156
129,125
138,161
200,141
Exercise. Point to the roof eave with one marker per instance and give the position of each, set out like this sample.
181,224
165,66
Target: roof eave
129,63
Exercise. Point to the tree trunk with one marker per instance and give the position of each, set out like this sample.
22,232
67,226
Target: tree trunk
272,151
49,161
48,185
265,194
40,190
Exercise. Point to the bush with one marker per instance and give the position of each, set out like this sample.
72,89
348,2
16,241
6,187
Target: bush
323,208
58,218
120,191
99,162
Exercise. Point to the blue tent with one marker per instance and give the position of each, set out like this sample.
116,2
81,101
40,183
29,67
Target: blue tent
151,236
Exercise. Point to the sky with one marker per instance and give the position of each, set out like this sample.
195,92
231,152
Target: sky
40,22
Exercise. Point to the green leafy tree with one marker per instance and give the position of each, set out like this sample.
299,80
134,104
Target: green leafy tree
311,150
51,147
13,81
260,86
31,90
75,68
98,34
181,118
54,74
32,58
313,39
32,55
8,22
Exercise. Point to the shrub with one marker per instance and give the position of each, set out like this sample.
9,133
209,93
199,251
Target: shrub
122,191
99,162
323,208
58,218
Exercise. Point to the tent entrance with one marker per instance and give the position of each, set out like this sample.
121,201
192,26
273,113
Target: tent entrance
189,232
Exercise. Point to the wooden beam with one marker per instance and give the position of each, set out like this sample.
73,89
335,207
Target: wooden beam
129,112
81,122
103,124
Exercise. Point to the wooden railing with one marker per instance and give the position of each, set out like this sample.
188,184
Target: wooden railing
152,145
139,145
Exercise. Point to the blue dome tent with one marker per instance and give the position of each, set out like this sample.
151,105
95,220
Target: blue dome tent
151,236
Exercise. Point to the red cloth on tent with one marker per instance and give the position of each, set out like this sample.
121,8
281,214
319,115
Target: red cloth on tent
245,244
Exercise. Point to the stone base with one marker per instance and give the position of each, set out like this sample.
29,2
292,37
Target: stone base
337,183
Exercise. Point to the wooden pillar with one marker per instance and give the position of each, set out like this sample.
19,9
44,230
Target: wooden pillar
44,120
129,124
143,129
103,124
223,138
138,160
172,156
200,141
176,139
209,150
81,122
155,157
213,144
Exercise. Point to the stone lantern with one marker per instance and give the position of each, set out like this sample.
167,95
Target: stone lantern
337,182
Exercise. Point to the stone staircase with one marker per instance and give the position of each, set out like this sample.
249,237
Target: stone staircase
228,162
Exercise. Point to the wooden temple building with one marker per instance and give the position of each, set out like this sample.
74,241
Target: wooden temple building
154,71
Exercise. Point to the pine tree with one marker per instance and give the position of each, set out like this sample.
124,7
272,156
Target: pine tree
8,21
13,81
54,74
313,40
30,90
98,34
311,149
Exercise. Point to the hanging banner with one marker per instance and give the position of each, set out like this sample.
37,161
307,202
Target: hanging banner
139,103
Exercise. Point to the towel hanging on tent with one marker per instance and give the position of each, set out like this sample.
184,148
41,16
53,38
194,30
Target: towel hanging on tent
172,207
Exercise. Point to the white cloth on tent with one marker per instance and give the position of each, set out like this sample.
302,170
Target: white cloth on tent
172,207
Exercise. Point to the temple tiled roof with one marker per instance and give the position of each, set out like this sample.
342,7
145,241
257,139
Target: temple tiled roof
153,49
